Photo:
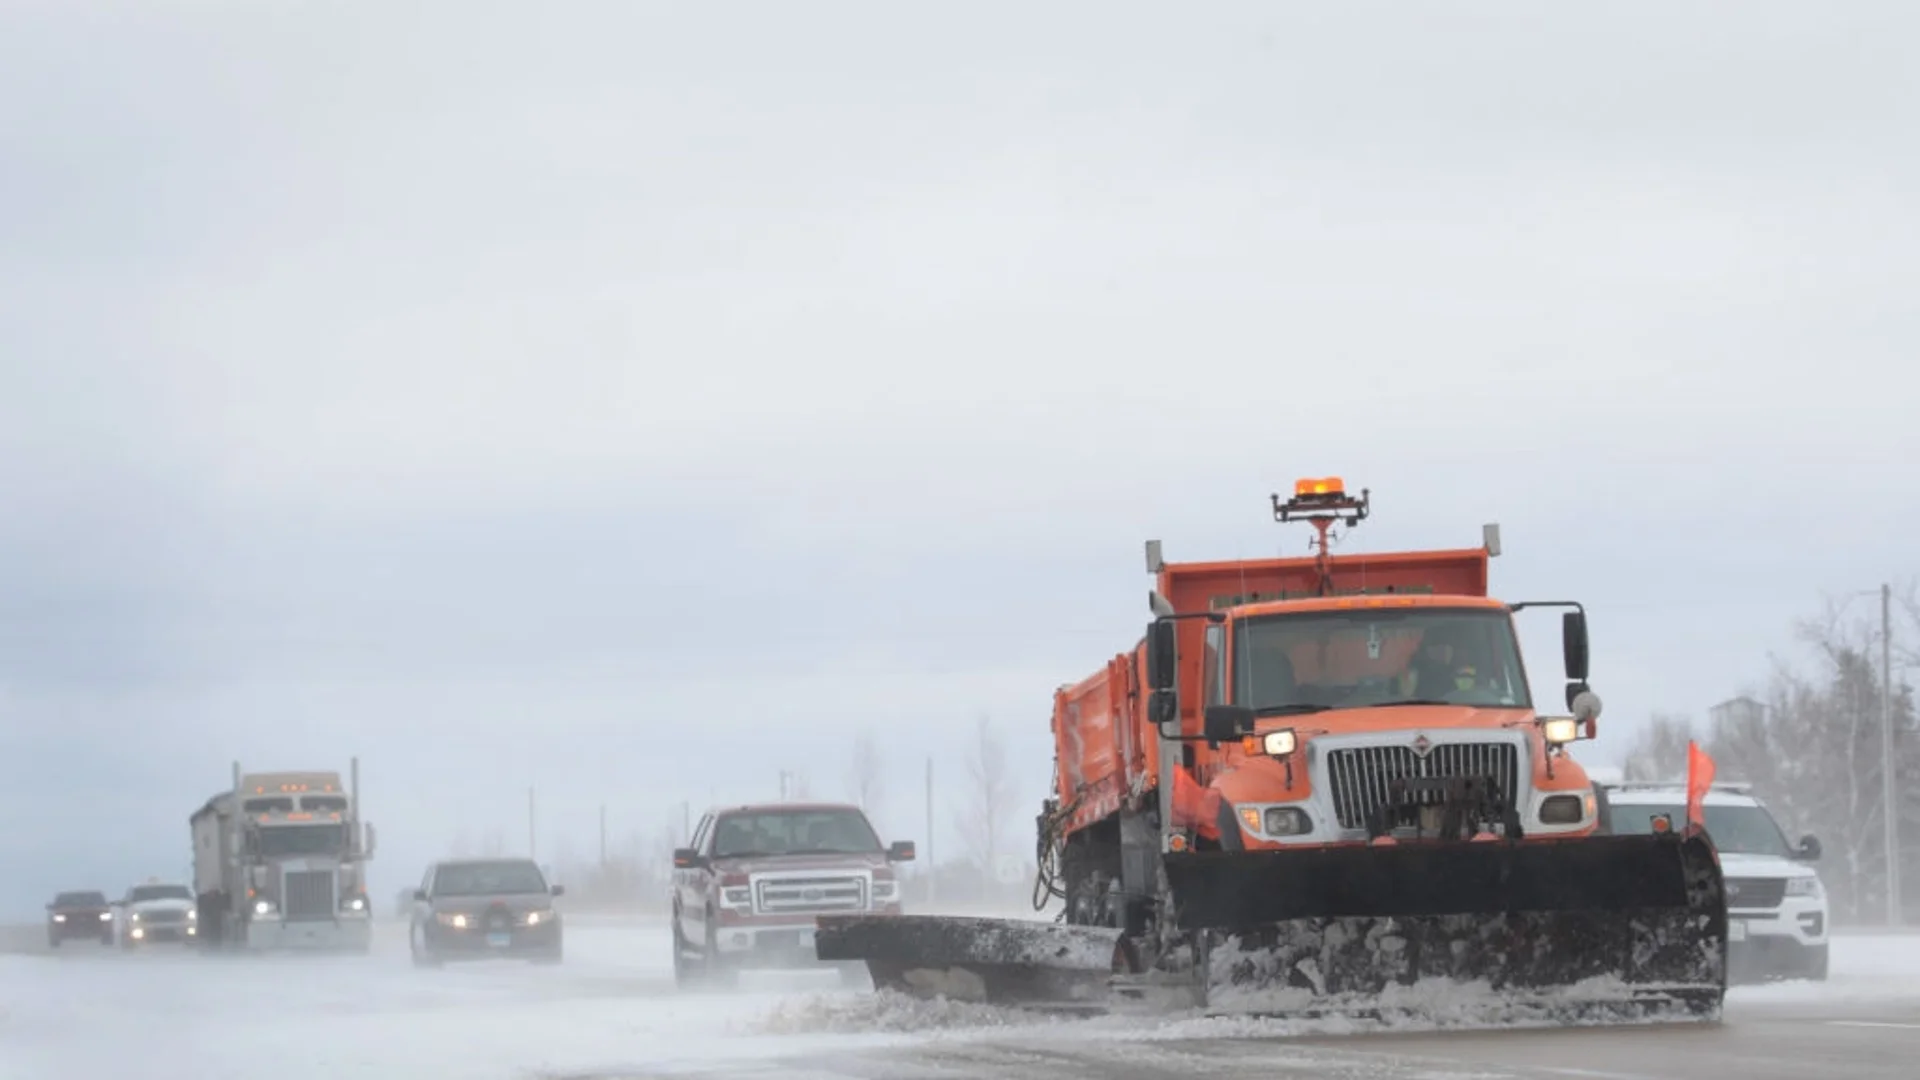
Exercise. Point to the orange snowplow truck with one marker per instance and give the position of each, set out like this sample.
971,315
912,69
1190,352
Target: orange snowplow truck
1318,777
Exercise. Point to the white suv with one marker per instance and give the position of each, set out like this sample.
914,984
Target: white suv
1776,907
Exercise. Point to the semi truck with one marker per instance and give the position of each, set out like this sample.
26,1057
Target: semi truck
279,862
1316,779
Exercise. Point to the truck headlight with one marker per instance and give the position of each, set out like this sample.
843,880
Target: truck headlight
885,891
106,916
1286,820
59,918
1279,743
1562,810
1804,886
260,907
354,903
1560,729
455,920
736,896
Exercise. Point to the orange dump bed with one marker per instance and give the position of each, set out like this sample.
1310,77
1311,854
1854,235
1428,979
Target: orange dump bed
1104,747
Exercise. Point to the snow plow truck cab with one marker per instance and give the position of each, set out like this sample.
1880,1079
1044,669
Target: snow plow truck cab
1316,778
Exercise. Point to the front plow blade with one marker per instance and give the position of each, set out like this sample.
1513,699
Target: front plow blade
995,961
1605,920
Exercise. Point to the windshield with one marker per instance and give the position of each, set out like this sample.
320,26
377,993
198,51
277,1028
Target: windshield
278,840
1742,830
488,879
794,832
143,893
80,899
1371,657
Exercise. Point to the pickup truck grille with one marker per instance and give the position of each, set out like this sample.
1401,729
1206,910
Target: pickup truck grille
163,915
1755,892
309,894
810,895
1360,777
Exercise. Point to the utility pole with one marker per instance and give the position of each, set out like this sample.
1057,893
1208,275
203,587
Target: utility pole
533,850
932,867
1889,763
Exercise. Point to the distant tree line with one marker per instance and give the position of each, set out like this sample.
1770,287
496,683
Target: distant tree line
1810,745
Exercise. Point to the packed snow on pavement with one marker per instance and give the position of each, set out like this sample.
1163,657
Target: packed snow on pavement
611,1010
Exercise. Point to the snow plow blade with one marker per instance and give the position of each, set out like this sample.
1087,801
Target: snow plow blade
997,961
1626,920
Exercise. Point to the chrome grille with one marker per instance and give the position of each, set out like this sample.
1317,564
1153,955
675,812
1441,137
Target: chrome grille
1361,777
806,896
163,915
1755,892
308,894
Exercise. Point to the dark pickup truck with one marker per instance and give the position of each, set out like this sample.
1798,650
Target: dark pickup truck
750,886
79,914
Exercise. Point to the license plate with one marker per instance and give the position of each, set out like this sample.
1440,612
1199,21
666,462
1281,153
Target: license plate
1736,929
499,941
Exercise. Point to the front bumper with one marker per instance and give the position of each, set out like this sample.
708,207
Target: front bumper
345,932
784,941
482,939
84,927
159,933
1784,942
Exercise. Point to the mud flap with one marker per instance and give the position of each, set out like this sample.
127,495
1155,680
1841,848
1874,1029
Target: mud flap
1603,917
998,961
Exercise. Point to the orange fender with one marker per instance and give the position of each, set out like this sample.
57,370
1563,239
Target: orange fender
1195,807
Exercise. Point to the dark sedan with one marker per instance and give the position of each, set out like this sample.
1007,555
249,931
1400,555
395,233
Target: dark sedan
80,914
474,909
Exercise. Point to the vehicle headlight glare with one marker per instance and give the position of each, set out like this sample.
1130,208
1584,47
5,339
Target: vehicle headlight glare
260,907
1560,729
1279,743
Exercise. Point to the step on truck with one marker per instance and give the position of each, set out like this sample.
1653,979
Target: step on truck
1316,781
279,862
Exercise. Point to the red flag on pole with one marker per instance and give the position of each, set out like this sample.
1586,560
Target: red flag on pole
1699,779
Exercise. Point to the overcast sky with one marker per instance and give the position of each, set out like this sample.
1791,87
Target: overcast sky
634,400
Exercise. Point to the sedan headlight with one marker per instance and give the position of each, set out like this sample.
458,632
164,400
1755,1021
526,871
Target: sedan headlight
1804,886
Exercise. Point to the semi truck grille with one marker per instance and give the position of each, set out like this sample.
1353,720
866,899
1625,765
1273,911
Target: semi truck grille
309,894
1361,777
1755,892
805,896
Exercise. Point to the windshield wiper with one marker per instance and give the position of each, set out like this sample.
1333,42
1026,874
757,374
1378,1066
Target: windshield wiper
1409,701
1294,709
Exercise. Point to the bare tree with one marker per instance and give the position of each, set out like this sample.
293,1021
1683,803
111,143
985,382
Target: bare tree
1660,751
865,770
990,792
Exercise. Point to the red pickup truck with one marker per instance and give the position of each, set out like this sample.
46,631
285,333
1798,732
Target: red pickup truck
753,878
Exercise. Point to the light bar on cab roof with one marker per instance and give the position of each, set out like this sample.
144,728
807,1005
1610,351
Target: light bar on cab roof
1326,485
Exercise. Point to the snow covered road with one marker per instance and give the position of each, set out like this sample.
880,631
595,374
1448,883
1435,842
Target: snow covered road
611,1012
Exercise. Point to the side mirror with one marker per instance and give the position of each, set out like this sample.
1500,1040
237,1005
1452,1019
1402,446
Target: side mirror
1585,705
900,851
559,890
1573,643
1162,654
420,895
1226,723
686,858
1809,849
1163,708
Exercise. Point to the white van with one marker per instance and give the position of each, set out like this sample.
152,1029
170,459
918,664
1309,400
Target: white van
1776,906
